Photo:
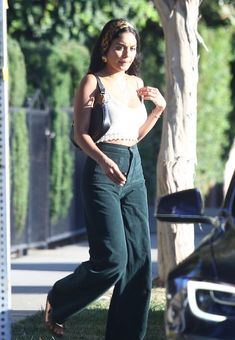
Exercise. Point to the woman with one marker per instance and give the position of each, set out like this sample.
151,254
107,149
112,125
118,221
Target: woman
114,192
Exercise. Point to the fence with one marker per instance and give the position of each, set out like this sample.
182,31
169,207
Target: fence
38,231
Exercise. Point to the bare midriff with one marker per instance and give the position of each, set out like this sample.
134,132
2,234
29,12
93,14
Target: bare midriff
121,142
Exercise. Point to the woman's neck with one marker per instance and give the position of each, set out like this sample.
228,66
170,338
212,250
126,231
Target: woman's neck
115,75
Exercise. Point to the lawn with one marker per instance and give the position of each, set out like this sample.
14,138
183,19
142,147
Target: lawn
90,323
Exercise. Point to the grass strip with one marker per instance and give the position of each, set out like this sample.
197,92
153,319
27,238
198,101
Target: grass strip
90,323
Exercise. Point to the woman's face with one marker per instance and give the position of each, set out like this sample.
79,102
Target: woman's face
122,52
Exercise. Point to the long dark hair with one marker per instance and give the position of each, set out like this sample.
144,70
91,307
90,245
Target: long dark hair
111,31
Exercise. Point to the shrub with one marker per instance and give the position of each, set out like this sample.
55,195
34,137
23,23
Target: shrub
65,69
17,70
56,70
214,105
19,140
20,169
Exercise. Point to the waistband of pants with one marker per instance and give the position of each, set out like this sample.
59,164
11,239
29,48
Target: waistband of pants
116,147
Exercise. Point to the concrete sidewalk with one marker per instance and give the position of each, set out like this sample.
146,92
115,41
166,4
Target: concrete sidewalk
33,275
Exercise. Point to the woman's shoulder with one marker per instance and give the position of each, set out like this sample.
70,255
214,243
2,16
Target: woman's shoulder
136,81
89,80
88,84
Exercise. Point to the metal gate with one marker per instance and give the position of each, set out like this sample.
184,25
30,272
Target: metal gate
38,229
39,151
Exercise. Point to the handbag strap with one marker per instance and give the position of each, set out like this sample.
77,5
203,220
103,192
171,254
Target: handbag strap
100,86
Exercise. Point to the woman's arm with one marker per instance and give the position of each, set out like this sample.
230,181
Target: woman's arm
83,104
154,95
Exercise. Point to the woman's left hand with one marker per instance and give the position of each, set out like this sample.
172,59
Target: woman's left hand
153,94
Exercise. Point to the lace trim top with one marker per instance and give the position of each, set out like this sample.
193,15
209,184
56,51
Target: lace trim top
125,121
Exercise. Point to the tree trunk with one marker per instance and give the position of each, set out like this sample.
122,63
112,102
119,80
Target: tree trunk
177,156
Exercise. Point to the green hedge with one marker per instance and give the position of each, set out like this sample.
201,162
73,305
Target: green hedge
66,65
231,129
57,70
19,141
20,169
17,72
214,105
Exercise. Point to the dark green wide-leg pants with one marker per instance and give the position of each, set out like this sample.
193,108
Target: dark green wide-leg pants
118,234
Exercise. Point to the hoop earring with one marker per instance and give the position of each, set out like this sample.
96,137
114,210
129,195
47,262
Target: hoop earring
104,59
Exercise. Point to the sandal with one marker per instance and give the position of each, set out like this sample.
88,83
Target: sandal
53,327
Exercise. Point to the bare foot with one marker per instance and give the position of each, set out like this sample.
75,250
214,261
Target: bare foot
53,327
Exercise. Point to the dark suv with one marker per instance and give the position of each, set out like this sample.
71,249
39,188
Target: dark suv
200,291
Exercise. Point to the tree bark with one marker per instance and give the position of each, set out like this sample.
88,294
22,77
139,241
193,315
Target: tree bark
177,155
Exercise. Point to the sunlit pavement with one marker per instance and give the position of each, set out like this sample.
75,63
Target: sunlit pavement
33,275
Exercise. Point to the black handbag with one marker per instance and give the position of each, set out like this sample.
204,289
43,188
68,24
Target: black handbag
100,119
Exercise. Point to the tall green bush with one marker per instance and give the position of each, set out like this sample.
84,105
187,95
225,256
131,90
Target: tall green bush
57,70
17,72
66,64
19,142
231,129
56,20
20,169
214,105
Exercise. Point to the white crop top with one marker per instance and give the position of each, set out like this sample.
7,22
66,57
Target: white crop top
125,121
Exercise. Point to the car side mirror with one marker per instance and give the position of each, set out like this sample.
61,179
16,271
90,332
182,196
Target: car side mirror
184,206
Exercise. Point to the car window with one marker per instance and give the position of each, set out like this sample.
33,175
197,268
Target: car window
229,202
233,204
233,208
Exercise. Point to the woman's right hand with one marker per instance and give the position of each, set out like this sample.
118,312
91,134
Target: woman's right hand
112,170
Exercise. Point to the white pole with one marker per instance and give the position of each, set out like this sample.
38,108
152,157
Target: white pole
5,282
